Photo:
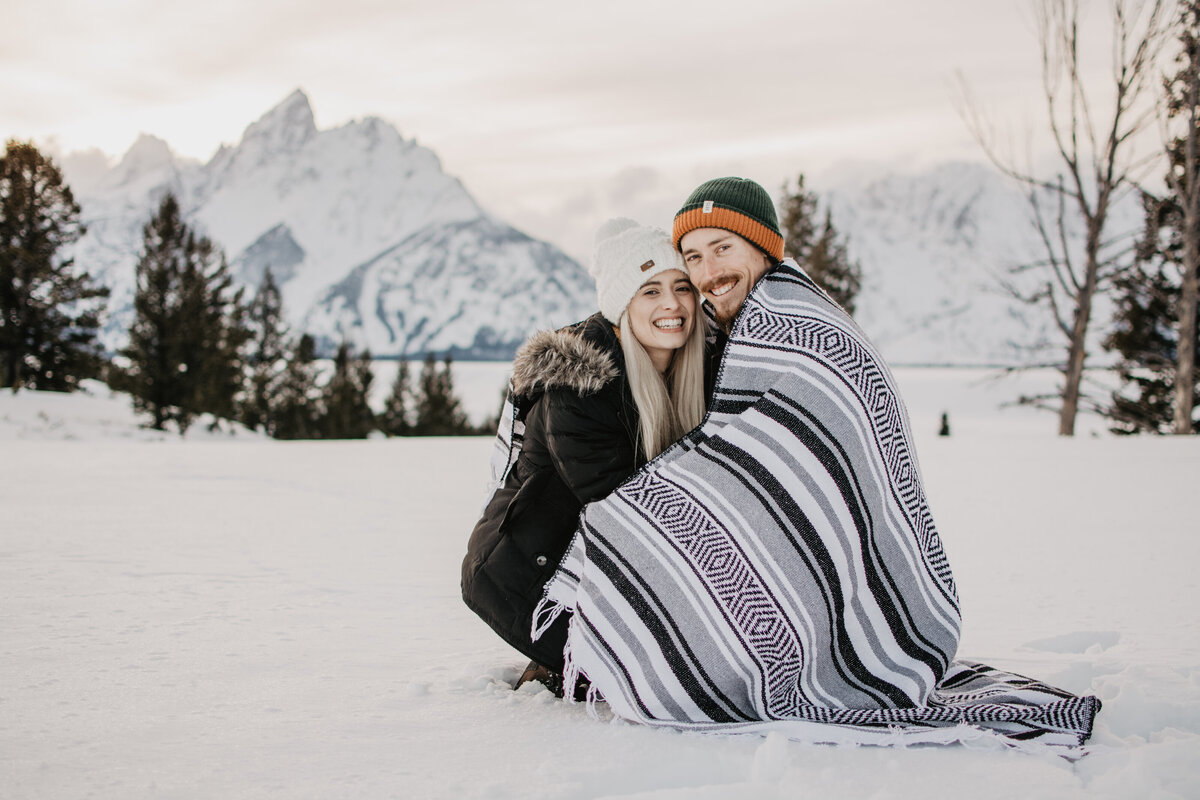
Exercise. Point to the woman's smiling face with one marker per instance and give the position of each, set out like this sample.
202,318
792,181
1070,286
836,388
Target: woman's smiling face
661,315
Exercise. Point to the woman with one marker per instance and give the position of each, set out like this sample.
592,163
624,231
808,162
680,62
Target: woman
598,400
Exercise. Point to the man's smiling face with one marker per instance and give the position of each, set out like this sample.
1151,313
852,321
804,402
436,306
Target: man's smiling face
724,267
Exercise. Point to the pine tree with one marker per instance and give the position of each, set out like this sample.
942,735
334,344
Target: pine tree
439,411
822,255
396,417
1145,300
348,414
298,407
185,344
830,266
1144,402
221,334
1183,212
49,311
1145,335
1156,300
797,220
267,359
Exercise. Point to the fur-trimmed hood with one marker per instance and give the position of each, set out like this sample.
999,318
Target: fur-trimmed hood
563,359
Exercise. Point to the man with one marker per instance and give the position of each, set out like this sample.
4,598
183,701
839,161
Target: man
778,568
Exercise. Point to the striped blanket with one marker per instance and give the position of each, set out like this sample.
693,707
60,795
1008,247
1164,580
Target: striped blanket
779,569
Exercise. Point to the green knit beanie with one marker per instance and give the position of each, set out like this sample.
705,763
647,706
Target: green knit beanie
734,204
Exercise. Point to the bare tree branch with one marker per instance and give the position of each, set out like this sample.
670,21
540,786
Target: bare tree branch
1095,166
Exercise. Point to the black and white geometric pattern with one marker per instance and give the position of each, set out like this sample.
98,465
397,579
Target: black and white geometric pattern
779,568
510,435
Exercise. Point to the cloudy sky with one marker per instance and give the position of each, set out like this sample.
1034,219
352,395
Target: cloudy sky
554,114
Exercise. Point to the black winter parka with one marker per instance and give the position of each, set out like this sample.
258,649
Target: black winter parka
580,443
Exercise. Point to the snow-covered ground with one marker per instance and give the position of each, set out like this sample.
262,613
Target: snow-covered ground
233,617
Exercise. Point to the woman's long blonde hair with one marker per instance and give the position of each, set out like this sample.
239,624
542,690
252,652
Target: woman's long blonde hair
665,414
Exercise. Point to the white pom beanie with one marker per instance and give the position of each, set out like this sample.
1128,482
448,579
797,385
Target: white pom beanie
625,256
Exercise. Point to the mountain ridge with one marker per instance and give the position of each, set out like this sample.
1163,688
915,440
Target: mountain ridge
373,243
315,206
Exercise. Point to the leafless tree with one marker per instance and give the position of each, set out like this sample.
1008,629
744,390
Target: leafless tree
1096,163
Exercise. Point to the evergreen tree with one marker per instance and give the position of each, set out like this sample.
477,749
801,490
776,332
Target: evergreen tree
49,314
439,411
1158,299
185,344
798,220
1144,298
396,417
822,255
222,331
267,359
830,266
348,414
1183,212
298,406
1145,335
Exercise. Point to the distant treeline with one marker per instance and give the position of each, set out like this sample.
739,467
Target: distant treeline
197,348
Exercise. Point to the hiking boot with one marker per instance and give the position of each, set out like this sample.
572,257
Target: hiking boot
536,672
552,681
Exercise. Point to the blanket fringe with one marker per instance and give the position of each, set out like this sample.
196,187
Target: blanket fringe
570,670
544,614
593,697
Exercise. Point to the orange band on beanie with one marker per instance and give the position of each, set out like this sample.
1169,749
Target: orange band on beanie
769,241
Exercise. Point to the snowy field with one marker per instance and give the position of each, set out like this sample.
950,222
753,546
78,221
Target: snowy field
232,617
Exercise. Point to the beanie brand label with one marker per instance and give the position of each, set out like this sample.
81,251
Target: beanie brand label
708,204
647,265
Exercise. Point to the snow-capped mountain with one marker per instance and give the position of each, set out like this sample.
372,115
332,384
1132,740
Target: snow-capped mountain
369,240
934,247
